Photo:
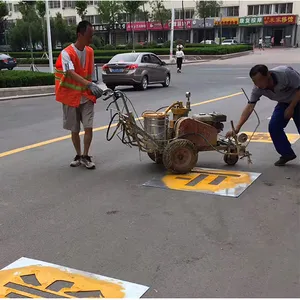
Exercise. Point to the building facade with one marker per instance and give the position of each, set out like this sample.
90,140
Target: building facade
245,21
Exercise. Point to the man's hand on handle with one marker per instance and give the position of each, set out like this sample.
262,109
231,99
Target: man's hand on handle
96,91
244,117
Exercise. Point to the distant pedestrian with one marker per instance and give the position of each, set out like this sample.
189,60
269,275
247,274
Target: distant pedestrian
261,44
179,59
75,90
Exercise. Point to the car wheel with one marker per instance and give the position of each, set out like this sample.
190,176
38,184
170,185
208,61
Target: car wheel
10,69
167,81
144,84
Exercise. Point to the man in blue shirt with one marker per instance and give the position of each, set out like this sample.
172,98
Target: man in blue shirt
281,84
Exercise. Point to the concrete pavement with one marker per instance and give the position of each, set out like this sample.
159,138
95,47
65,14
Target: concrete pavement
180,244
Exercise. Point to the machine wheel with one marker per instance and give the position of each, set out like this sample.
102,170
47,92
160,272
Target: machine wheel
156,157
231,160
167,81
180,156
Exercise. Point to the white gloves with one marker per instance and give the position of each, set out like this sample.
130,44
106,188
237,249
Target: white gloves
96,91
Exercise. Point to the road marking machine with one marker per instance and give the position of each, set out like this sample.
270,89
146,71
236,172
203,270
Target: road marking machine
172,137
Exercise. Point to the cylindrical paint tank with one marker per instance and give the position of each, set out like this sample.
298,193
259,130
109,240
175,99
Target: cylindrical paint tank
156,124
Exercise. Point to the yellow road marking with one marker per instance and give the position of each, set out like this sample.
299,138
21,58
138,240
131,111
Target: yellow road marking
62,138
209,181
13,282
264,137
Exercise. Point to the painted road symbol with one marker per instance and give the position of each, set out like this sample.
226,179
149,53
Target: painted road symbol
264,137
28,278
209,181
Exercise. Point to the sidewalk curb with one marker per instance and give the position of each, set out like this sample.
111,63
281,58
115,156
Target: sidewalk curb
26,92
29,92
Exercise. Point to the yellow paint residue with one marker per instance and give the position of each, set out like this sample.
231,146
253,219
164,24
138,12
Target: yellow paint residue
264,137
48,275
207,180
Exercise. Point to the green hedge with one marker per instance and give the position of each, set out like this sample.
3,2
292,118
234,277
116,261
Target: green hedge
39,61
25,78
200,50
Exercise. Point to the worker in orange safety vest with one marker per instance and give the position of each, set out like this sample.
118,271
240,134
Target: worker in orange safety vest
75,90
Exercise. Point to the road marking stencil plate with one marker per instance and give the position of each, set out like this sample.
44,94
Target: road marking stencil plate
208,181
29,278
264,137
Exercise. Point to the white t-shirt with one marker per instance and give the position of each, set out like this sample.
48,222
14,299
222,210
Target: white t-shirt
67,63
179,54
260,41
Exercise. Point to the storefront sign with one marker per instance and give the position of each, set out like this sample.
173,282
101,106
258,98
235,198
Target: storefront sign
106,27
156,26
280,20
226,21
199,23
251,21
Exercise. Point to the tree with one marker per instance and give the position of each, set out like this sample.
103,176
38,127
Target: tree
109,12
206,9
62,33
3,14
160,14
41,11
81,8
146,17
18,35
132,7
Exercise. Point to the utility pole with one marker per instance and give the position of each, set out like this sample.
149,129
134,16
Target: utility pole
49,37
172,34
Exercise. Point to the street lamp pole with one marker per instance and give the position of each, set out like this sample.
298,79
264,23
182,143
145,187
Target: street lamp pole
172,34
49,37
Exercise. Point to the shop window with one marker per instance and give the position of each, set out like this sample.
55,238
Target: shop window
189,13
253,10
9,6
232,11
16,8
289,8
283,8
97,19
54,4
90,19
69,4
71,20
265,9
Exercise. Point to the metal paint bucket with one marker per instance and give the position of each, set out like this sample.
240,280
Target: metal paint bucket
156,124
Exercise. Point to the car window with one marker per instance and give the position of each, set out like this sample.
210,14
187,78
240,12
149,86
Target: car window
227,41
146,59
155,60
125,57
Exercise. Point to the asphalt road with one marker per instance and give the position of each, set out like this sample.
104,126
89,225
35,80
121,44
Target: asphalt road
180,244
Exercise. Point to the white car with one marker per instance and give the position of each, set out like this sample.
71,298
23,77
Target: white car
229,42
209,42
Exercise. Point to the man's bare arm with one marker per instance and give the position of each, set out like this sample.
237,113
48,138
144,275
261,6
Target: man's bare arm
243,119
77,78
245,116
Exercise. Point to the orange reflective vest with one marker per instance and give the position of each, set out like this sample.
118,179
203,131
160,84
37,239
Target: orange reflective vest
67,90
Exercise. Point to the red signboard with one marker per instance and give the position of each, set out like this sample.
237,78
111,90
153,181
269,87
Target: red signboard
280,20
153,26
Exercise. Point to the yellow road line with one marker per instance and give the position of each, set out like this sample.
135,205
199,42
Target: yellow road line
62,138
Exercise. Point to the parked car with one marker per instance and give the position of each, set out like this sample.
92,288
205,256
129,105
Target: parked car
137,69
209,42
7,62
229,42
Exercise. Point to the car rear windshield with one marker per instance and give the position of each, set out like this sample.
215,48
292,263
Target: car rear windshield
227,41
127,57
